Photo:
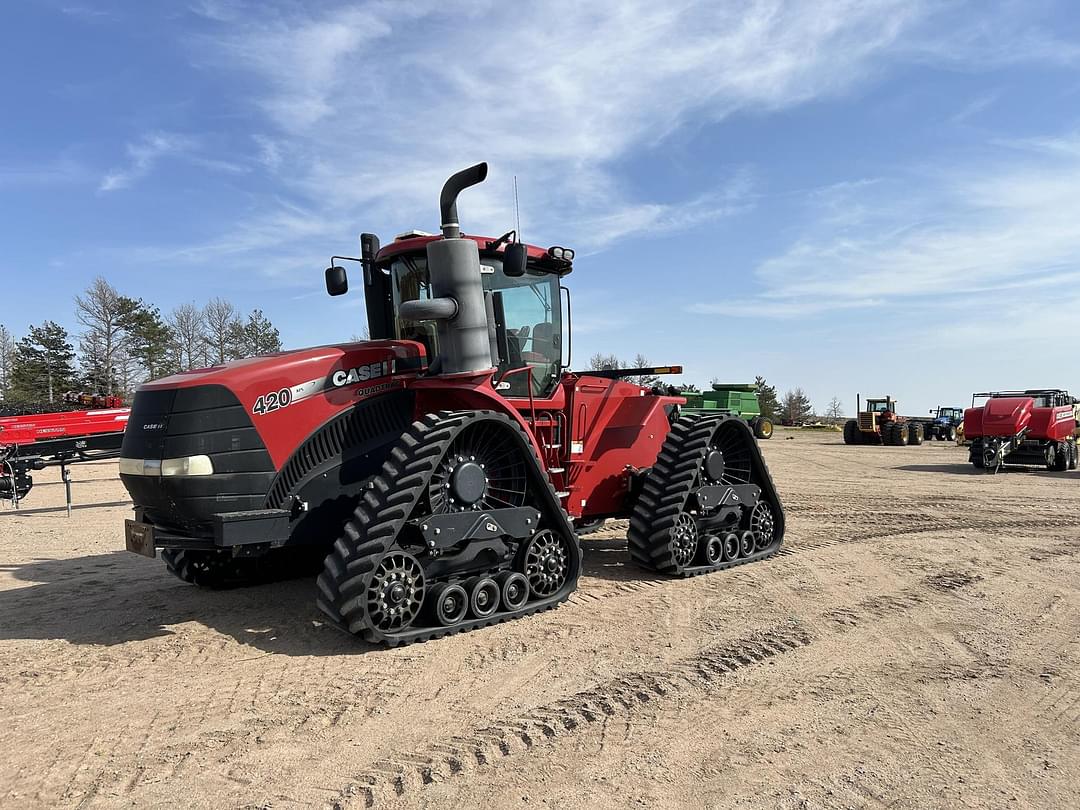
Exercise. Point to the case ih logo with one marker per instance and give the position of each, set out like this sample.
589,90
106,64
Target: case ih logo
371,371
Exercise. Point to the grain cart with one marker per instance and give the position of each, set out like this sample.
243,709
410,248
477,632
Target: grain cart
1034,428
437,471
880,424
737,399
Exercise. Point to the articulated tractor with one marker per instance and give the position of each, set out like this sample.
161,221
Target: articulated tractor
436,474
1033,428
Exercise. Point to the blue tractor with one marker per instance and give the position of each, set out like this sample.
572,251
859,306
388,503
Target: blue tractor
944,424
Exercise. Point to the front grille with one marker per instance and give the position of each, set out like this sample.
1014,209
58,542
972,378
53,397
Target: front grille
866,421
201,420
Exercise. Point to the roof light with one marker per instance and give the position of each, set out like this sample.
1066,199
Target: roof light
413,234
562,253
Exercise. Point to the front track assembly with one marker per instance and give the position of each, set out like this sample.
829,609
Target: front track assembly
708,503
460,529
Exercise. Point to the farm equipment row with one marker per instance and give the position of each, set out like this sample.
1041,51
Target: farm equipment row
441,470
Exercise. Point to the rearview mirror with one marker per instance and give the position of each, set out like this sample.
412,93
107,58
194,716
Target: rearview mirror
337,283
515,257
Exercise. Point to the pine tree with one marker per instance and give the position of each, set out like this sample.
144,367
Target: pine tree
148,338
767,400
44,367
796,406
259,336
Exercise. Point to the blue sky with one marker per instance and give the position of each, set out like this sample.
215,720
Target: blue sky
846,196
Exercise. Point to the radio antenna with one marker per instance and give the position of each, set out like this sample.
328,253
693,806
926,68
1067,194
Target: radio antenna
517,212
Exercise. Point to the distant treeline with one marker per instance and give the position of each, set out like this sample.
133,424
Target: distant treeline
123,342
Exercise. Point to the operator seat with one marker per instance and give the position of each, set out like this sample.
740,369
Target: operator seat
543,345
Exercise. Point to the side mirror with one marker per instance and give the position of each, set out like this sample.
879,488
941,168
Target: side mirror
515,257
337,283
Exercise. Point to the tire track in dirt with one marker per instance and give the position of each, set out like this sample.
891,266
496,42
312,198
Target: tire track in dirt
404,774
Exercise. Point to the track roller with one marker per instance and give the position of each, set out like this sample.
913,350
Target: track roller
514,589
484,595
712,550
447,604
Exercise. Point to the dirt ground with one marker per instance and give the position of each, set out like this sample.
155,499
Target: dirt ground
915,645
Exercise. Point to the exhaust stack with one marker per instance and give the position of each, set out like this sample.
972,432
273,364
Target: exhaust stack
457,307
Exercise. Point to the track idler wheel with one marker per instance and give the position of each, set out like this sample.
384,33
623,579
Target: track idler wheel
484,594
447,604
746,543
395,593
763,526
514,590
546,563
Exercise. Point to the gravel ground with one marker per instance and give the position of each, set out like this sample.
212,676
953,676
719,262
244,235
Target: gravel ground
914,645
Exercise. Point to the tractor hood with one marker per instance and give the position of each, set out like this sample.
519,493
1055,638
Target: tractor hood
288,394
215,439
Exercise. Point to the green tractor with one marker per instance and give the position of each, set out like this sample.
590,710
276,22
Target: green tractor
737,399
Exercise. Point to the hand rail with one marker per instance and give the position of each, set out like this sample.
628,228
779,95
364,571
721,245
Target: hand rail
510,372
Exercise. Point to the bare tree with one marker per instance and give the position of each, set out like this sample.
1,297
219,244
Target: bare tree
188,336
603,362
7,360
835,409
221,321
646,380
101,309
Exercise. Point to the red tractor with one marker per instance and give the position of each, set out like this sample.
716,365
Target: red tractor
1033,428
439,471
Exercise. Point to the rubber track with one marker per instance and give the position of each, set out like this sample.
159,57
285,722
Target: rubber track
384,510
665,493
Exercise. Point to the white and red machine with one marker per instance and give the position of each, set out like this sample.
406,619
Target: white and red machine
1034,428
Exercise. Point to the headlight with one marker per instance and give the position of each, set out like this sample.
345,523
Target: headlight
189,465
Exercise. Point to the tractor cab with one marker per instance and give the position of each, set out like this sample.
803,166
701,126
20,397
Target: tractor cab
881,406
524,303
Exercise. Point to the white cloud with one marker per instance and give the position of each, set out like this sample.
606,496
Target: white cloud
379,102
987,234
142,156
366,108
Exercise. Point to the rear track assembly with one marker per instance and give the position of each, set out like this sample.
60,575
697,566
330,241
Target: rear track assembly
708,503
